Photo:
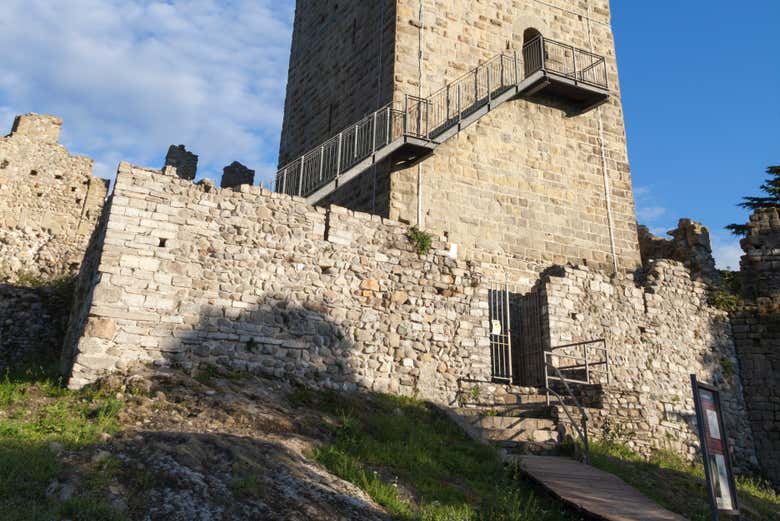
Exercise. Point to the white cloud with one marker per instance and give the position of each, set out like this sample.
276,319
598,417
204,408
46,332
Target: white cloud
647,214
726,251
132,77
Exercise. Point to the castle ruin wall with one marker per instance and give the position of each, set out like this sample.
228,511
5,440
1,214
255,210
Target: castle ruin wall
49,202
261,282
255,281
658,333
757,335
49,207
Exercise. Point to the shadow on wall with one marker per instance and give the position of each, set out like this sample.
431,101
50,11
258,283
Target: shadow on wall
33,322
274,338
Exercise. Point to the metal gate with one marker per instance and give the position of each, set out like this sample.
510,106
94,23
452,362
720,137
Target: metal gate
530,368
500,333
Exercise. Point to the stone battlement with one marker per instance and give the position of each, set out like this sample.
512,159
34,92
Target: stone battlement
38,127
761,262
49,202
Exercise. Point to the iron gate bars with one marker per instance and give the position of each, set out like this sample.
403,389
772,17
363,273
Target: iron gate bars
500,333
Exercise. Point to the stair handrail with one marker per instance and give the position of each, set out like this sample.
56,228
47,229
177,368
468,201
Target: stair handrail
583,433
296,166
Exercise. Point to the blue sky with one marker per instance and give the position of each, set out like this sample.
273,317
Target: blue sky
700,83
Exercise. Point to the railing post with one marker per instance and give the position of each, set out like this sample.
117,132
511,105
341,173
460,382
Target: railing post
300,179
322,160
447,102
338,156
587,367
460,110
406,114
517,68
284,181
585,437
357,128
501,58
476,85
388,137
574,61
373,136
427,119
490,94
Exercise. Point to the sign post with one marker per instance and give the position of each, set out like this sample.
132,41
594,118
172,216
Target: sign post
715,450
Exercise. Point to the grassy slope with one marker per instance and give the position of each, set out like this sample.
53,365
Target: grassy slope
419,465
680,486
37,419
407,455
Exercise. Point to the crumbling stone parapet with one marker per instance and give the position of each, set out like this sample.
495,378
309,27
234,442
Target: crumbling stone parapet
760,266
39,127
689,244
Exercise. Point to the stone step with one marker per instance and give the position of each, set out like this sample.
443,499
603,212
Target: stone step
534,410
510,423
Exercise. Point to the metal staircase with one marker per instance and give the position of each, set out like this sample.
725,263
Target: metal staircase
413,128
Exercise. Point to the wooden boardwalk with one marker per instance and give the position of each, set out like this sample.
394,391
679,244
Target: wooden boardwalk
597,493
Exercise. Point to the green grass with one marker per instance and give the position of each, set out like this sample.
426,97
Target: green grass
678,485
419,465
38,413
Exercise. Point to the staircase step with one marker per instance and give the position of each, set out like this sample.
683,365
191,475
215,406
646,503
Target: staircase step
515,411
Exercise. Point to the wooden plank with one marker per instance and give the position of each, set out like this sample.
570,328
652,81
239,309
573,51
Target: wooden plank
600,494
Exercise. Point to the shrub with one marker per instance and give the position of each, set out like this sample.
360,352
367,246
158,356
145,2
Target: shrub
422,240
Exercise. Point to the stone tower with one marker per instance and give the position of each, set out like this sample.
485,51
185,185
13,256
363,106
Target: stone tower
520,159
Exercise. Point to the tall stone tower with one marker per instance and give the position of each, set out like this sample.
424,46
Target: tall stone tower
498,124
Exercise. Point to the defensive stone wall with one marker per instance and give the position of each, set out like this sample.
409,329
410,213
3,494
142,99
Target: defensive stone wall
658,333
760,266
689,244
243,278
49,206
49,202
757,335
261,282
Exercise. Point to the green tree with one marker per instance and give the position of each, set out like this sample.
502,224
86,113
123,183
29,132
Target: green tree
771,187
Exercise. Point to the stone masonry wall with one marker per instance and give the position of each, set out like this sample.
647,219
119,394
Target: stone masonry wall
658,333
49,203
341,69
689,244
760,266
49,206
526,181
264,283
757,335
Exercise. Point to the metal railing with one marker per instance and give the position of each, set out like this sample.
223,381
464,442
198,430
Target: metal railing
587,370
566,60
343,151
421,118
427,118
582,430
584,367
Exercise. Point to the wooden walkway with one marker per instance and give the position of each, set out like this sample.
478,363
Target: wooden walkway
597,493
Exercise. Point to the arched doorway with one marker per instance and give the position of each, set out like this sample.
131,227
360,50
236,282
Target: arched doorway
533,51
